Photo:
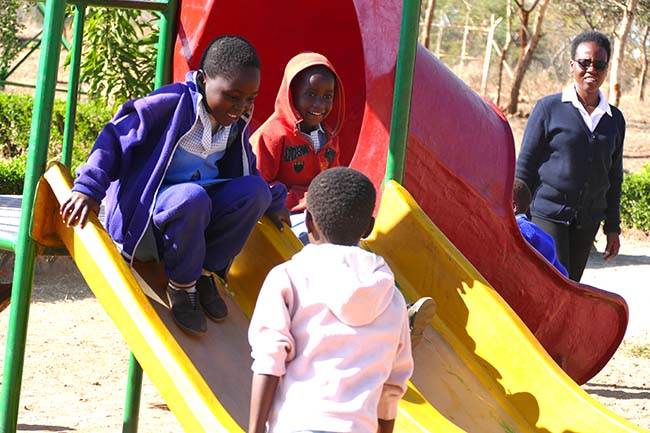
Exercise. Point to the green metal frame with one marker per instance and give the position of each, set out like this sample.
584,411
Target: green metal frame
23,245
36,42
401,114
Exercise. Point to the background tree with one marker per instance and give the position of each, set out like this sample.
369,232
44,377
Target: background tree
425,34
644,62
528,42
628,10
10,28
119,57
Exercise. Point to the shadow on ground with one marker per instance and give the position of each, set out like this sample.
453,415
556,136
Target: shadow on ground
618,392
56,278
596,260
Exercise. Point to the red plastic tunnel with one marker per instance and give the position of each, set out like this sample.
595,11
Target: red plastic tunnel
460,157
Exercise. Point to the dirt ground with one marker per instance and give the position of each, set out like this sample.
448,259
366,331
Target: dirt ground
76,362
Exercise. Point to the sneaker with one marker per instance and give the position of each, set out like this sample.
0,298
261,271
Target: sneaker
420,315
213,304
186,312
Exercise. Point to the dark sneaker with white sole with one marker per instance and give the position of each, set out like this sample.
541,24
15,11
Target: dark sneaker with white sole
420,315
186,311
211,301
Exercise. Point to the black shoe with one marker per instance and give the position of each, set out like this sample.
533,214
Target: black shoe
213,304
186,312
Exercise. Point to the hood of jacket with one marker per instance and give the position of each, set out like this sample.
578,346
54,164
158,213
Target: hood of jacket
284,108
356,285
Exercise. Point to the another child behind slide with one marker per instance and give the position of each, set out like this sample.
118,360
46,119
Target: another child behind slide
333,306
535,236
300,139
181,181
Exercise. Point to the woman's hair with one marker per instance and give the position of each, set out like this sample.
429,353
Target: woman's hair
591,36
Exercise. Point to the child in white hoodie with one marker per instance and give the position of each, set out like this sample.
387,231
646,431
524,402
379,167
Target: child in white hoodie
330,332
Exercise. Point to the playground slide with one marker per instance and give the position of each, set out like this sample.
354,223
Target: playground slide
477,370
459,162
204,380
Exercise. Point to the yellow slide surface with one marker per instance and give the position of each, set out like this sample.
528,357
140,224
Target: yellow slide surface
478,369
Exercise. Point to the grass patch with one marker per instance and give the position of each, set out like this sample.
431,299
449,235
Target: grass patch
637,350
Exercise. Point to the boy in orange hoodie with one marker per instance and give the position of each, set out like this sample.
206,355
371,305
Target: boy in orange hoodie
300,139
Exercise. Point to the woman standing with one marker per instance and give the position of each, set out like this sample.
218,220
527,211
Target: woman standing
572,158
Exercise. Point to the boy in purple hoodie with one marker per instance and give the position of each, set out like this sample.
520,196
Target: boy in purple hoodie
310,371
180,179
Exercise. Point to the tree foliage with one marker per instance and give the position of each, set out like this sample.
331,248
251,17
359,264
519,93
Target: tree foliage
119,58
10,28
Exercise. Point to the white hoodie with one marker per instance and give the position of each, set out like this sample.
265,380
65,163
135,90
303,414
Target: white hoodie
332,325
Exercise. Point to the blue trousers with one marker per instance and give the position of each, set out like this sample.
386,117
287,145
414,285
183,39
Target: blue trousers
199,227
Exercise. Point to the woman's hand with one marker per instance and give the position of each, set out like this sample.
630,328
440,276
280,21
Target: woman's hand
76,208
613,245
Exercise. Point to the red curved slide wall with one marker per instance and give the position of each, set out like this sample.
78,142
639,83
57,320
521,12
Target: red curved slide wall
460,158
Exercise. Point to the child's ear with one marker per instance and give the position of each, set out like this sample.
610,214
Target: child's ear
371,225
309,222
200,76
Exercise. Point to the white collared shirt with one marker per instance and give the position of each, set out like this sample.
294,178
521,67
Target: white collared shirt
569,94
316,138
200,140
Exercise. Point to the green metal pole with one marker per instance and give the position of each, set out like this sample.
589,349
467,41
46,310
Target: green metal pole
8,243
163,67
65,43
399,125
73,84
165,39
133,389
25,246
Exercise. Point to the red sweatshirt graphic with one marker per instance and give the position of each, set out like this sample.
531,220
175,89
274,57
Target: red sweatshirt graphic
285,154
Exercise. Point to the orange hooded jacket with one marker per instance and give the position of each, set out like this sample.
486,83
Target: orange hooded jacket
284,153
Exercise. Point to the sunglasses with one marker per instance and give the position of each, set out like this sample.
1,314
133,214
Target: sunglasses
598,65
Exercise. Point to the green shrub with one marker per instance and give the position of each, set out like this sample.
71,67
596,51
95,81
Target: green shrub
635,200
15,124
12,175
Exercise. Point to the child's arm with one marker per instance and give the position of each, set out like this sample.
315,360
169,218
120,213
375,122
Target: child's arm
272,343
262,394
268,152
395,386
76,208
386,425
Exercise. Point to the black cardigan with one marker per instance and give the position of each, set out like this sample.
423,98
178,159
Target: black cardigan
575,175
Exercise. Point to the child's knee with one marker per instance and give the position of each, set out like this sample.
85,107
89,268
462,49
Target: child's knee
257,192
189,203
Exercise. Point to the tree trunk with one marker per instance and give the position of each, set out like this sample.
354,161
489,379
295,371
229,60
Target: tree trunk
463,47
524,62
644,63
488,51
620,37
425,36
504,51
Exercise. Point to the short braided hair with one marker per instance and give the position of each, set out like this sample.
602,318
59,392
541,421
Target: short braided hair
341,200
227,55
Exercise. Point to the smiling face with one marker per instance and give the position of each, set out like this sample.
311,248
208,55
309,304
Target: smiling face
588,80
228,98
313,95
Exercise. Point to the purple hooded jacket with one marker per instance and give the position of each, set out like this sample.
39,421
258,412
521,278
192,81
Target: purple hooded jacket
129,159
